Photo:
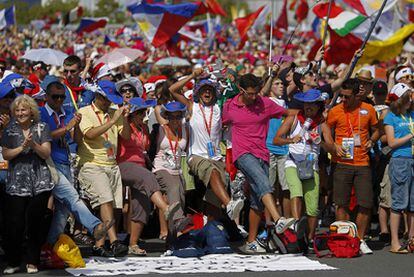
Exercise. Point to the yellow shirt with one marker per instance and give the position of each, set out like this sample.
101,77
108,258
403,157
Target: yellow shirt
96,150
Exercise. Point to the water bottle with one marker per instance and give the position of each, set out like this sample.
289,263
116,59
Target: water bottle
305,126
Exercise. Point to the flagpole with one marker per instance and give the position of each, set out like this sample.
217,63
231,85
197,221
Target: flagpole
325,31
356,57
271,35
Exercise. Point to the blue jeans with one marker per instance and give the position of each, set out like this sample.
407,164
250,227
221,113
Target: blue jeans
400,171
67,201
257,173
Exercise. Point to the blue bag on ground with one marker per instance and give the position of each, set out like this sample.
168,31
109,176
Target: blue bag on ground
189,245
216,238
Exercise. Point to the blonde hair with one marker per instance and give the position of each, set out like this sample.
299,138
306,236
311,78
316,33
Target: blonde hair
27,102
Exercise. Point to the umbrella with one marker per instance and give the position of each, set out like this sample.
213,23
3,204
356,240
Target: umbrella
46,55
172,61
120,56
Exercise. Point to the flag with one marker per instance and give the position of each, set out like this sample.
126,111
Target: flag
302,11
72,15
316,27
369,7
161,22
410,11
215,8
90,24
110,42
388,49
120,31
341,49
182,35
7,17
341,21
243,24
262,18
282,21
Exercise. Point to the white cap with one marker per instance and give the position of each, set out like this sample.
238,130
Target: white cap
103,71
399,90
403,72
149,87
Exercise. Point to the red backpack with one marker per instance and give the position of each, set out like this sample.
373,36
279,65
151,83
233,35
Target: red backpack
337,245
291,241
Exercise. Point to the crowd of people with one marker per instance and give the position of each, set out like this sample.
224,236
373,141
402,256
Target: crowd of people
83,143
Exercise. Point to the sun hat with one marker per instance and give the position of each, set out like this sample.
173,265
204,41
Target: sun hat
108,90
17,81
5,88
138,103
203,83
309,96
403,72
172,107
133,82
365,75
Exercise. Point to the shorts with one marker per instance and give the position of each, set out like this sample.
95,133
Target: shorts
277,171
347,176
384,198
402,184
307,189
102,184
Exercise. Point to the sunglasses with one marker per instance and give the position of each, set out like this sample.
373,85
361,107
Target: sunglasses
58,96
73,71
175,117
125,90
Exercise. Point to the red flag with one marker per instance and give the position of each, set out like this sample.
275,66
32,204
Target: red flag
341,49
215,7
314,50
321,10
120,31
243,24
357,5
282,21
302,11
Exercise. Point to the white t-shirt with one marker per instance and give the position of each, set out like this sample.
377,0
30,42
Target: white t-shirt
199,136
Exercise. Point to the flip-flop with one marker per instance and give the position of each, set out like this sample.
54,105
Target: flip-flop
163,237
401,250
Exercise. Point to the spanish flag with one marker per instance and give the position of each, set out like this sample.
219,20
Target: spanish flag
388,49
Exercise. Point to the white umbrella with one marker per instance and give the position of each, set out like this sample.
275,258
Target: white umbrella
120,56
172,61
46,55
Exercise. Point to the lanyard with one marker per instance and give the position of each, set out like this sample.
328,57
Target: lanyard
100,121
143,135
175,147
208,126
410,122
351,127
58,120
72,98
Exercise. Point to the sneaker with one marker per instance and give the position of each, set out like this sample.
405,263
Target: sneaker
242,231
252,248
183,224
136,251
234,208
284,223
311,250
31,269
262,238
11,270
363,247
171,210
118,249
101,252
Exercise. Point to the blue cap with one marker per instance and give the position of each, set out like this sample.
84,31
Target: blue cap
309,96
49,79
203,83
138,103
5,88
173,107
108,89
17,81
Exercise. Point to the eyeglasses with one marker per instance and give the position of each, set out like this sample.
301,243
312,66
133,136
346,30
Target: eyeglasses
125,90
72,71
58,96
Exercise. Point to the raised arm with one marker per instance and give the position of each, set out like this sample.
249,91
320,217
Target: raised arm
175,89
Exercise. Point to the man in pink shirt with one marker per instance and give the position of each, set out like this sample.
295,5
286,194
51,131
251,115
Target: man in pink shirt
249,114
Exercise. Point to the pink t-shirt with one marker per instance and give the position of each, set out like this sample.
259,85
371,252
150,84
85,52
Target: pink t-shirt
132,150
249,125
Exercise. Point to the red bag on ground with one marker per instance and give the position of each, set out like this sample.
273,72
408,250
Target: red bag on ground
49,259
338,245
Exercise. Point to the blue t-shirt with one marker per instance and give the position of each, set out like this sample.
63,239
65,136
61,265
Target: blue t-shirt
274,126
59,152
85,98
401,129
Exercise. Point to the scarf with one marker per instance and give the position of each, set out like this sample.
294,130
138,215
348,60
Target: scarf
75,90
316,121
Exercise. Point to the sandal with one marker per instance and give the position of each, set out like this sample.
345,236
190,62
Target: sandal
136,251
163,237
401,250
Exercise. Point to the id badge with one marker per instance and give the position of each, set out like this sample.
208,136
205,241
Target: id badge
348,146
110,153
357,140
210,149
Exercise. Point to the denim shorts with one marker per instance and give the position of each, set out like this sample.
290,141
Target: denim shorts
401,176
257,174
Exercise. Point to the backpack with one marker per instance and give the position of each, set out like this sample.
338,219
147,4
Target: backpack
292,241
342,241
216,239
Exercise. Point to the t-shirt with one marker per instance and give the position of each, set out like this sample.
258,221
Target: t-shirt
249,125
274,126
295,104
59,146
401,129
360,119
132,150
94,150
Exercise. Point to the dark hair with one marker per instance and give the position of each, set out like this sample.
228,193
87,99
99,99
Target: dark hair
71,60
56,85
396,106
351,84
250,81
